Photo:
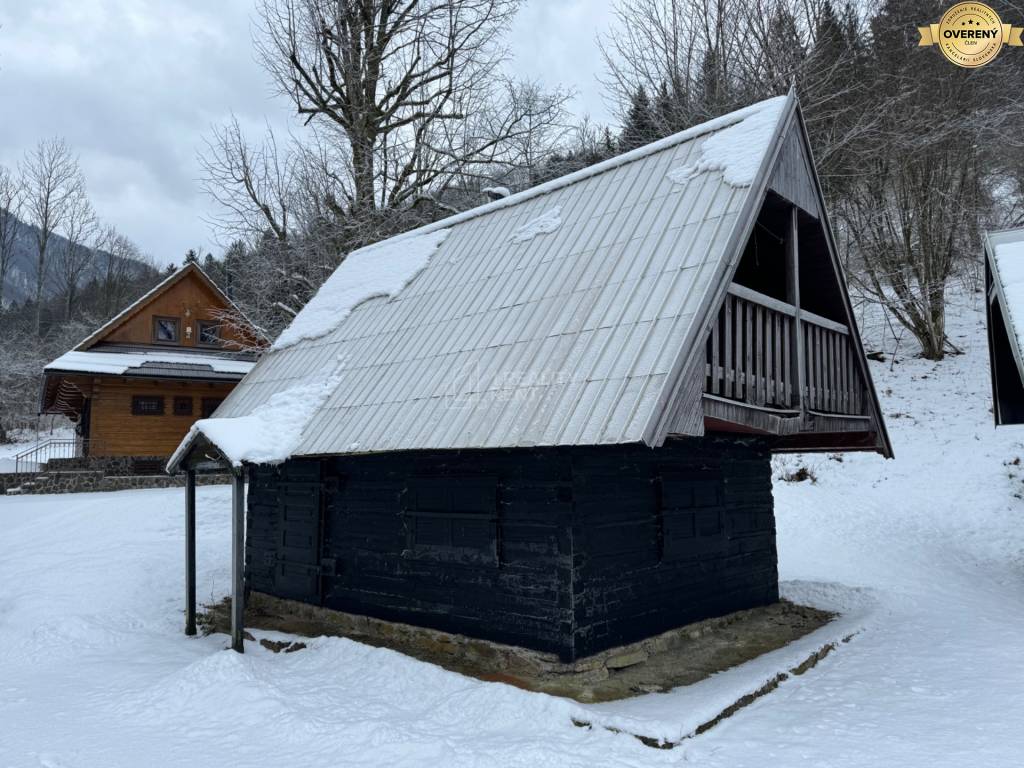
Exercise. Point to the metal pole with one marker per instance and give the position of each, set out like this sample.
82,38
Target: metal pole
190,552
237,557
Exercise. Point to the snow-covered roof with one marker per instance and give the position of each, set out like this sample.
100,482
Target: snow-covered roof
146,363
561,315
1008,264
1005,255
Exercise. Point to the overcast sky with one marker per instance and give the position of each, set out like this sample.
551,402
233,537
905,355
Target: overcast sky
134,85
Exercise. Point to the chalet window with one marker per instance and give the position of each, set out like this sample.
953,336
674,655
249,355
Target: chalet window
690,509
182,406
209,405
452,519
209,333
166,330
147,405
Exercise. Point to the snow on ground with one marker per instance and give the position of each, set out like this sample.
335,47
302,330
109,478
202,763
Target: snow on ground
926,552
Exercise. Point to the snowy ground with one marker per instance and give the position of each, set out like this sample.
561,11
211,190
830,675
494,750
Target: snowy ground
927,552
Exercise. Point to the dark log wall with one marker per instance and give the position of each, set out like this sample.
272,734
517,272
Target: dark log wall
520,595
710,551
569,551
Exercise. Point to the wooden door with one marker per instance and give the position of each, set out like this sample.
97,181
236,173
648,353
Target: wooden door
297,567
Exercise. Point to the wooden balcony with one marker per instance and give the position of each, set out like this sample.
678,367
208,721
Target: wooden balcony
773,368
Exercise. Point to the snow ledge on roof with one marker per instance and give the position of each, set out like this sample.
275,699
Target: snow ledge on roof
545,224
272,432
118,363
736,151
383,269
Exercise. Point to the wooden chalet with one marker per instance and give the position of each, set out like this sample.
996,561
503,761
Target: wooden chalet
135,386
556,430
1004,313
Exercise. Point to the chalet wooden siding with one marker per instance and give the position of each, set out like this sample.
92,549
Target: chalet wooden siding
188,296
131,395
118,431
584,548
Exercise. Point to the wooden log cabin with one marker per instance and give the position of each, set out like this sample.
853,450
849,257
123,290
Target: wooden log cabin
555,429
1004,313
136,385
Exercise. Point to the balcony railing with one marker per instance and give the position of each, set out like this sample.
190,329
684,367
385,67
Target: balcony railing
752,357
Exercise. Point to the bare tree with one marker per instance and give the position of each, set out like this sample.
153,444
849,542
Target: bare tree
51,181
254,185
412,89
10,225
74,256
117,256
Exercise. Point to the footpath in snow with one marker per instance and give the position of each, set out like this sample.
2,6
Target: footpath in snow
925,554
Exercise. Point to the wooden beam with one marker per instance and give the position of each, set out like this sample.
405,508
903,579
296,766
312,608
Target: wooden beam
237,557
190,552
793,294
749,294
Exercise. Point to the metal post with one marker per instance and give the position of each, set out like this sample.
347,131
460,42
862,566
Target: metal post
190,552
793,296
237,557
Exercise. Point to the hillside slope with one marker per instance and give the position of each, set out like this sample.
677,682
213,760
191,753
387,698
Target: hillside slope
20,281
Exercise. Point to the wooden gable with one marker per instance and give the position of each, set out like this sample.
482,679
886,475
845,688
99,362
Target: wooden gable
783,355
187,300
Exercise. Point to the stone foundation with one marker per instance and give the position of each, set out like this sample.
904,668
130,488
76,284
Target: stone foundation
111,465
85,481
680,656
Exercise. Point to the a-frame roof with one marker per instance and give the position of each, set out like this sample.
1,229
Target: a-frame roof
1004,267
190,269
563,315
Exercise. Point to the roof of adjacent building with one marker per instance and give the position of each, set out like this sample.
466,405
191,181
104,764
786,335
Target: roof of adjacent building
562,315
155,363
1005,256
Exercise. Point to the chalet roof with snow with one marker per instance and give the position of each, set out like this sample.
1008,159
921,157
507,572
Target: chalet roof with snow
1004,284
573,313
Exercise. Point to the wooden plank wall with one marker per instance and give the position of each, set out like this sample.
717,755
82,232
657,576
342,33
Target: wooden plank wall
792,176
190,300
585,560
115,431
711,550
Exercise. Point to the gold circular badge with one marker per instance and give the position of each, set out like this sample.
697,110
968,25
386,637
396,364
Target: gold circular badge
970,34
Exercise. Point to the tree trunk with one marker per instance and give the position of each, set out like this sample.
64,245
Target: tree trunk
40,275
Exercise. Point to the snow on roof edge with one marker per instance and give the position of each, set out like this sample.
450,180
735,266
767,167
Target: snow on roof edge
118,363
1011,294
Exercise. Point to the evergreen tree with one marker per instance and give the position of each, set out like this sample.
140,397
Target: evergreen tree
640,127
